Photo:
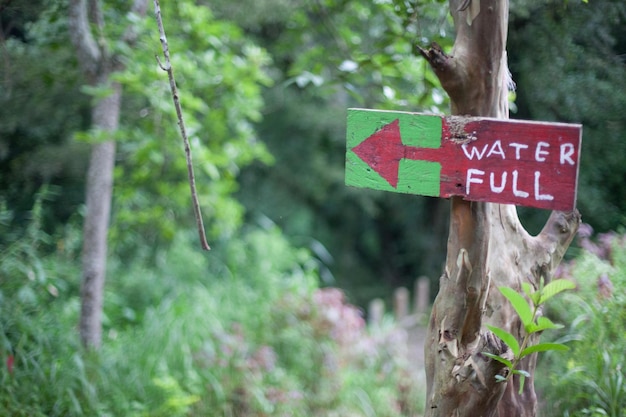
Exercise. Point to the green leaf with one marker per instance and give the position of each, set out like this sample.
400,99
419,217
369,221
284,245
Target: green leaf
507,338
543,347
554,288
519,304
521,372
544,323
533,295
531,328
500,378
522,379
500,359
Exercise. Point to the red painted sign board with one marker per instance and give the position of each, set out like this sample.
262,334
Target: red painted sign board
504,161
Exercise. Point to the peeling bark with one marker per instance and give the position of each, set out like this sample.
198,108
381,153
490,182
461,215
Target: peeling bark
487,245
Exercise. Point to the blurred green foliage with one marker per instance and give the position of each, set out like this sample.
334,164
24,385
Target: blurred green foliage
247,332
569,61
331,55
590,380
220,74
41,109
265,86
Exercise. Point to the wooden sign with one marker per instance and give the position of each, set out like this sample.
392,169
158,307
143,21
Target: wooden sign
505,161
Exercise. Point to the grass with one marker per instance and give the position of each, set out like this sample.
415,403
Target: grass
243,332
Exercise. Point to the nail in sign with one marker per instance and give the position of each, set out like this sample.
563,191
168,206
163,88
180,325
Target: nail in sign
504,161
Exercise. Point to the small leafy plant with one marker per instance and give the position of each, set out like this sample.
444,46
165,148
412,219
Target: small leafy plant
533,323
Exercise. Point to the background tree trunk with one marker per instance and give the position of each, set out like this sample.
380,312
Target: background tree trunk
487,245
97,66
99,189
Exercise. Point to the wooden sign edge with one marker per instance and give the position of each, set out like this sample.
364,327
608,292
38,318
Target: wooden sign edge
467,119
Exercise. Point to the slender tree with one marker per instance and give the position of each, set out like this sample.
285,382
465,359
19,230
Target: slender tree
86,24
487,245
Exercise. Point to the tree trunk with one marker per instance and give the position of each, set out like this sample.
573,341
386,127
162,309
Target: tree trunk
97,66
99,188
487,245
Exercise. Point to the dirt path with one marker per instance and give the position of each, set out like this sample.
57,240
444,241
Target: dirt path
415,352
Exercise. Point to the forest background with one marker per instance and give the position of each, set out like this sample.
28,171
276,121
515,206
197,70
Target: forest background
265,86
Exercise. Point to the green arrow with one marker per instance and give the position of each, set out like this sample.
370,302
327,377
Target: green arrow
377,154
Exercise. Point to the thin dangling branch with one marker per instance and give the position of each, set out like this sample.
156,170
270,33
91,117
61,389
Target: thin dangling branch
181,124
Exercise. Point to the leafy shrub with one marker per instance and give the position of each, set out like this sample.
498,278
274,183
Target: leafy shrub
38,341
255,336
243,331
589,380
